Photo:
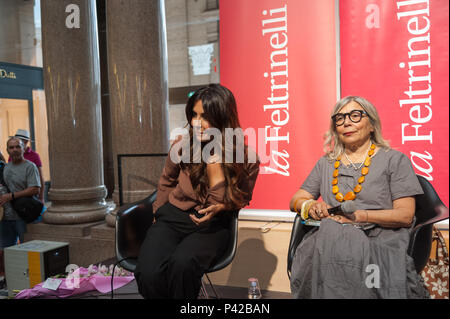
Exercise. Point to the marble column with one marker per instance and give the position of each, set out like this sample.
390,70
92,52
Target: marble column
72,87
138,86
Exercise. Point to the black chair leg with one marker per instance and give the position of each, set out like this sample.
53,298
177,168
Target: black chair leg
203,291
212,286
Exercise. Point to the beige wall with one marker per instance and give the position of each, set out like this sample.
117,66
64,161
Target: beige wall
13,115
261,253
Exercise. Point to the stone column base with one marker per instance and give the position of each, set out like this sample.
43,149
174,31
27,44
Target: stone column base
76,206
76,214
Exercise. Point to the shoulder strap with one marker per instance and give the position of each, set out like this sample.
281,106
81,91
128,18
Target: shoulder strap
2,166
2,180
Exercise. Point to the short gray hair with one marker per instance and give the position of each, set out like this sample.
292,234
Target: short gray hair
15,138
333,146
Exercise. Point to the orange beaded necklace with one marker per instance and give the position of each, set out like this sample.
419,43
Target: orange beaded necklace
364,171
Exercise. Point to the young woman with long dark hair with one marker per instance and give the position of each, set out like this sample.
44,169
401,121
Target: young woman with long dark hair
196,193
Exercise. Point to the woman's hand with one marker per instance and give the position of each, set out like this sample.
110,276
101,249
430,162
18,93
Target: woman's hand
318,210
355,217
208,213
342,219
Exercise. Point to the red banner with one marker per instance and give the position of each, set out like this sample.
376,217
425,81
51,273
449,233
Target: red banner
395,54
279,59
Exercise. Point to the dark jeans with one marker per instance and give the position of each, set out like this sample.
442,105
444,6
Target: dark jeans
10,231
176,253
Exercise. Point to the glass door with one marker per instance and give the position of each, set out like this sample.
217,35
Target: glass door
14,114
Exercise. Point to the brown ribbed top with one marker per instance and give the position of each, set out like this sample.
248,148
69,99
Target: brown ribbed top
175,186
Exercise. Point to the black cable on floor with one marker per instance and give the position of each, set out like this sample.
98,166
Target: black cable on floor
112,275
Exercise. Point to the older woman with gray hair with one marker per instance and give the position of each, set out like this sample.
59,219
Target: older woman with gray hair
361,254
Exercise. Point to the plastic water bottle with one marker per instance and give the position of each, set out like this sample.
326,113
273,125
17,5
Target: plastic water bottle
253,289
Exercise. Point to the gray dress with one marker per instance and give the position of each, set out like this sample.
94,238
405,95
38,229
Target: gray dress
340,261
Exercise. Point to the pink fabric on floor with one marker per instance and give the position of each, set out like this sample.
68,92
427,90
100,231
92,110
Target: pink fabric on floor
77,284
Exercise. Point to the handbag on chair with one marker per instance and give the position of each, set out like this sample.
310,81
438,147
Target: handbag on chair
435,273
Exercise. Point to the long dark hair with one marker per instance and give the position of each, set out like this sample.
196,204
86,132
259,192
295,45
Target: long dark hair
219,106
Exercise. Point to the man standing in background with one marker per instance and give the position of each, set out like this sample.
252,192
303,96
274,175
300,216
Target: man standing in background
21,178
33,157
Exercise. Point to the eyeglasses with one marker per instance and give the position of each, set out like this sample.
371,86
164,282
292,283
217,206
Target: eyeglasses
355,116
